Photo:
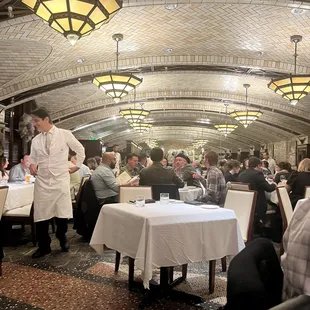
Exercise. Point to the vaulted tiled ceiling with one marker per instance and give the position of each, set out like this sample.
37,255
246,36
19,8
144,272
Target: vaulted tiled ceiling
217,46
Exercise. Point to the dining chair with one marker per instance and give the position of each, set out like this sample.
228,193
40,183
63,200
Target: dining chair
24,216
243,204
77,197
286,210
3,195
239,186
244,211
131,193
172,189
307,192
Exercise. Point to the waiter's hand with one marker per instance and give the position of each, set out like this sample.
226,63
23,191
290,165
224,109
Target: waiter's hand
73,169
33,169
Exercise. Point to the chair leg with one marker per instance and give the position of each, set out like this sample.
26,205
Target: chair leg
224,264
33,233
117,261
184,271
171,274
212,264
131,263
53,225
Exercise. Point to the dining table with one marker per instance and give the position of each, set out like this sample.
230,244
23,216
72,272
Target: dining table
19,195
165,235
190,193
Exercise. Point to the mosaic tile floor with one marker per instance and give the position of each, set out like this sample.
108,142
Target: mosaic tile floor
81,279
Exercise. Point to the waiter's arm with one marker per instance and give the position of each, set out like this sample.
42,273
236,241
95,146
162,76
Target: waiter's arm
77,147
33,159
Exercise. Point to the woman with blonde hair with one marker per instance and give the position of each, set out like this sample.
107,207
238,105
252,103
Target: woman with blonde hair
297,182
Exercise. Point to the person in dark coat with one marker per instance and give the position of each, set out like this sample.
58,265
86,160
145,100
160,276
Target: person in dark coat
157,174
254,176
233,171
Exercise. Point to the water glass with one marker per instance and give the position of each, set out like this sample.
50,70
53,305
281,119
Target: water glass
282,178
164,198
140,201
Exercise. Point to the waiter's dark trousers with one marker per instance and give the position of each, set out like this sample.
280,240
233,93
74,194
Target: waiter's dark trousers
43,237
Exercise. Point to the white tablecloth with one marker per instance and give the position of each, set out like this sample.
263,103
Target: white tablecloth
19,195
189,193
167,235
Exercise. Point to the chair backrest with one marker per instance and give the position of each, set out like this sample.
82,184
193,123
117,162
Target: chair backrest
239,186
307,192
131,193
88,210
83,180
3,194
243,203
172,189
285,206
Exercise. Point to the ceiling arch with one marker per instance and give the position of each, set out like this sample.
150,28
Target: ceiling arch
215,47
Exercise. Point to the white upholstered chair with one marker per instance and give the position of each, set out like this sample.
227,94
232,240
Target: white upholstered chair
23,215
131,193
307,192
3,194
239,186
243,203
285,206
286,210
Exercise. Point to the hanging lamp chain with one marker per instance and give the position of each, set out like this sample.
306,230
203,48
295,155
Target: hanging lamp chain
117,54
296,39
246,86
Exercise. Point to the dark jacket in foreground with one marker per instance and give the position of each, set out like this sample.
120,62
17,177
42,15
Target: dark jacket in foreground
257,183
157,174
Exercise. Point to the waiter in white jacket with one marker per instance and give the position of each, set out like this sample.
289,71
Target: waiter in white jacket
49,163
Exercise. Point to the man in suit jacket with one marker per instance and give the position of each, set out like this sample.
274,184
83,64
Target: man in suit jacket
254,176
157,174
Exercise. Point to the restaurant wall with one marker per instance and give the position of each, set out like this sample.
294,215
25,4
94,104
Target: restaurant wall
286,150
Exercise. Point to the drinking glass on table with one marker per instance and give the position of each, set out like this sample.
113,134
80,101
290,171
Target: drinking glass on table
27,178
164,198
140,201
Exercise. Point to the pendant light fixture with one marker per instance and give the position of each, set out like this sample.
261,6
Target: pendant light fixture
117,84
294,86
141,127
75,18
134,115
246,117
226,129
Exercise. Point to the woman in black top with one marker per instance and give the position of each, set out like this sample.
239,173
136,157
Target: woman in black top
233,171
297,182
284,170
